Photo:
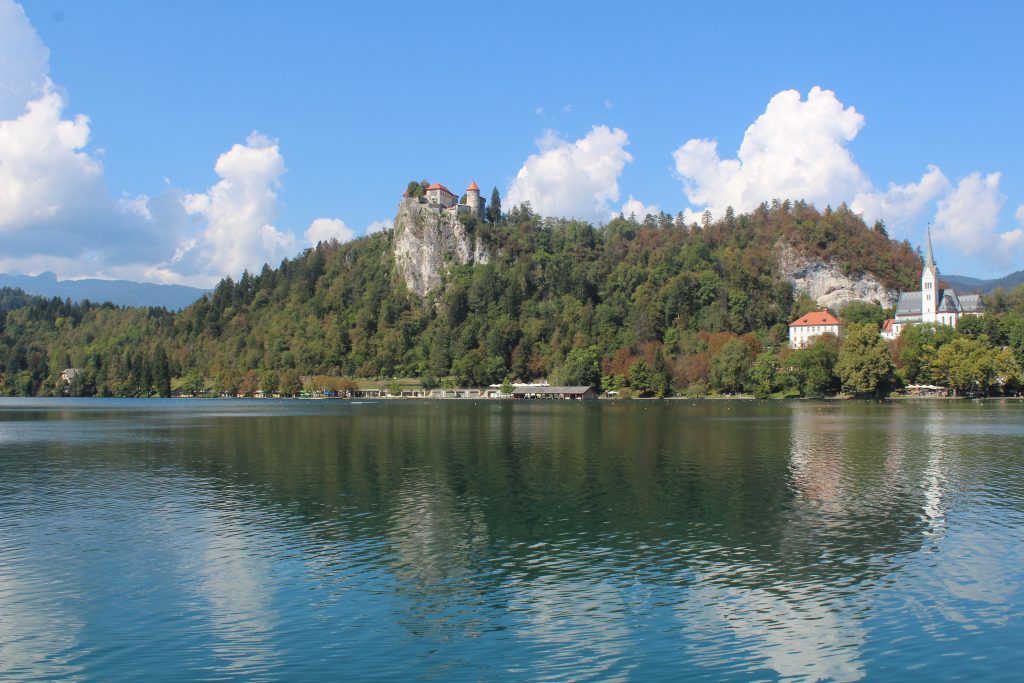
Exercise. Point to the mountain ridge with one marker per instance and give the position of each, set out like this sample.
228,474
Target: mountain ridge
965,284
118,292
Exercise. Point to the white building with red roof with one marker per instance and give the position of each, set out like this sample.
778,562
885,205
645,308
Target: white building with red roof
445,200
441,195
807,327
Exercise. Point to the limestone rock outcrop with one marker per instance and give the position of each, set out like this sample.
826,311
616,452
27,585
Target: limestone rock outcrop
426,238
826,284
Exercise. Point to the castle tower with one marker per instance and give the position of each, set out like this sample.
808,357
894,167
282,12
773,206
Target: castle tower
929,285
474,201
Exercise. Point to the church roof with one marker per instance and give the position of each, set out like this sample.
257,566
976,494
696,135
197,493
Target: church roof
909,303
948,302
816,318
970,303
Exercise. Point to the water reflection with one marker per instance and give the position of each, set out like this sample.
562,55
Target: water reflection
457,540
236,582
39,631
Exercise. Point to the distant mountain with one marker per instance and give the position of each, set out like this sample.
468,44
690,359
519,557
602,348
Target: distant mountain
966,285
120,292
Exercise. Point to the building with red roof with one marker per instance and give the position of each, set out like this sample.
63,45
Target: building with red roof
811,325
441,195
445,200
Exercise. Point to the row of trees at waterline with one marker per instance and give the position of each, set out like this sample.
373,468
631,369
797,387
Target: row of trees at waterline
651,307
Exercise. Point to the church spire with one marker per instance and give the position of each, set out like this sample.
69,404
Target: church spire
929,260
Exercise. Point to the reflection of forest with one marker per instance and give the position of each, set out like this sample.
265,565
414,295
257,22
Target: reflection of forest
777,483
779,510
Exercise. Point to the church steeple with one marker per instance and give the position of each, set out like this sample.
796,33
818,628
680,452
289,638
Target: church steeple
929,260
929,284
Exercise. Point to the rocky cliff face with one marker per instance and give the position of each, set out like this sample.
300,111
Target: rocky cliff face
425,239
826,283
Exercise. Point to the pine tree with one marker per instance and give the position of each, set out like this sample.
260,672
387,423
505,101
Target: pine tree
494,210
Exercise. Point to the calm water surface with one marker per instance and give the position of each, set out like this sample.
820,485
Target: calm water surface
304,540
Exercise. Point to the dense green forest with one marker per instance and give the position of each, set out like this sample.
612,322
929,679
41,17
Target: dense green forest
644,307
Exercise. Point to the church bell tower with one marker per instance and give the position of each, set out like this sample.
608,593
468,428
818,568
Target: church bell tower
929,285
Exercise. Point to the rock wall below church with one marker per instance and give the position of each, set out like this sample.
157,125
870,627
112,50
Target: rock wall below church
826,283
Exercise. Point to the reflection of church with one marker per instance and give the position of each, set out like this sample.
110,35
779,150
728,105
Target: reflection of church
933,304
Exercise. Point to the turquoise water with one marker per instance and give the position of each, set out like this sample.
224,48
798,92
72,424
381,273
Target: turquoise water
304,540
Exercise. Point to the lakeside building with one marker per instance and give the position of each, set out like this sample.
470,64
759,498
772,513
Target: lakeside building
811,325
933,304
522,392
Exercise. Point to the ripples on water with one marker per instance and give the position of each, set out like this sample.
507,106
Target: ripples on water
653,540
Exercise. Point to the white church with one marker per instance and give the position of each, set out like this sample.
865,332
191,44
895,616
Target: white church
933,304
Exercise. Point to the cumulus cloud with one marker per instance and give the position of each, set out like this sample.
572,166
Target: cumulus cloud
635,207
240,210
968,216
578,179
378,226
24,61
900,204
1020,214
327,229
796,149
53,198
57,214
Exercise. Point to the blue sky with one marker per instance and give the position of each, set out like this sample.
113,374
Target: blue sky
182,141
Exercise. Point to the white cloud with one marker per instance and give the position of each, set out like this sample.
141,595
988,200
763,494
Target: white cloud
1020,214
635,207
240,210
900,204
327,229
573,179
41,166
53,198
24,61
56,213
968,216
378,226
796,149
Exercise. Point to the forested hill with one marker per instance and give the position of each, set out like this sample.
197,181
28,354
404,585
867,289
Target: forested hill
559,299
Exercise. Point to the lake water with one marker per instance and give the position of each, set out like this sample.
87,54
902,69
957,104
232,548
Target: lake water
312,540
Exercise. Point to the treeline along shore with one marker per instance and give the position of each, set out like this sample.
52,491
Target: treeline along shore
652,307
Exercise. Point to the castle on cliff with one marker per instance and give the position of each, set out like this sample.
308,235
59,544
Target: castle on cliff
933,304
439,196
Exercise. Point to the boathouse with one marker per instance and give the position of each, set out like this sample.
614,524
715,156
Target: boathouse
522,392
